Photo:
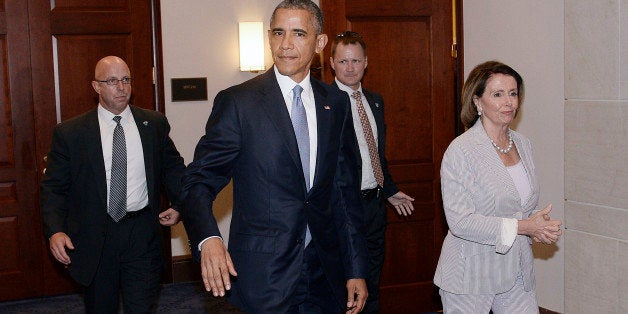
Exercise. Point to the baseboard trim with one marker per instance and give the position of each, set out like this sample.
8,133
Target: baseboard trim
184,269
546,311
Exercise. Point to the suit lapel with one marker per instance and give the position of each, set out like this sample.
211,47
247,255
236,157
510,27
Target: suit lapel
378,114
501,173
93,145
356,147
275,108
323,130
147,136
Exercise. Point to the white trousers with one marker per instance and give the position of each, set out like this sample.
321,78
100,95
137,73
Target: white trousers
515,300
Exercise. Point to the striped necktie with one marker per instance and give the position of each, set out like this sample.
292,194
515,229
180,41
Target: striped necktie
117,187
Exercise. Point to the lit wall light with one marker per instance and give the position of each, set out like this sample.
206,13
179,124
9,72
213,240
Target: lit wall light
252,46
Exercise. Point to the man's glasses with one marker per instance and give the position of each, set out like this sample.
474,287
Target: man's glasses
114,81
349,34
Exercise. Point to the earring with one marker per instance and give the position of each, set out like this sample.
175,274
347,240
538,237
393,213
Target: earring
479,113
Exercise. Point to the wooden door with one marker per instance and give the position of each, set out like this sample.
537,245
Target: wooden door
20,222
411,65
50,49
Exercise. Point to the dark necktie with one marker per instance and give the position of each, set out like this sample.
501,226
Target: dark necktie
370,139
117,187
299,123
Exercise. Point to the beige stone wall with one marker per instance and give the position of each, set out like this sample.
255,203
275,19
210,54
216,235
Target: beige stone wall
529,36
596,156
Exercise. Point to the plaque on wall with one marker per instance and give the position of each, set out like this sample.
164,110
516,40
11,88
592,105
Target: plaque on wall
189,89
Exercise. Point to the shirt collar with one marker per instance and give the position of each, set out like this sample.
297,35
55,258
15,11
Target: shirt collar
107,115
287,84
348,89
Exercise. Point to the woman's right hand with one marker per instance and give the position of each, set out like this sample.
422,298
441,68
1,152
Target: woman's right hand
540,227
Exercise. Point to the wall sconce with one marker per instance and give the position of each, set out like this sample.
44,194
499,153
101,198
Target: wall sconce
251,46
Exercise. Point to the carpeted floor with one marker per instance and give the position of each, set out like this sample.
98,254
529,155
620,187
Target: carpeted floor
175,298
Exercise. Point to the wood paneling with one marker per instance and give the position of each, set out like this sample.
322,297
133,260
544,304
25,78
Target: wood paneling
9,240
20,271
6,140
92,5
75,86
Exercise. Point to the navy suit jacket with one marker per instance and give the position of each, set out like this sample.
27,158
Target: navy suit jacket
376,103
249,137
74,188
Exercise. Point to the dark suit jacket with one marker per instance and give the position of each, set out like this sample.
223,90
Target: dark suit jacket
376,103
74,191
249,137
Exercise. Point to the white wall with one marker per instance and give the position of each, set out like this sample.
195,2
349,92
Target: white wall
596,167
200,39
528,36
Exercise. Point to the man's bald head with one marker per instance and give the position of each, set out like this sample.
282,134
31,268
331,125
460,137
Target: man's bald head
112,96
106,63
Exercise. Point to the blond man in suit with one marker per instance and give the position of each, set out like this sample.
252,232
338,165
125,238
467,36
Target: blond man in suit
349,61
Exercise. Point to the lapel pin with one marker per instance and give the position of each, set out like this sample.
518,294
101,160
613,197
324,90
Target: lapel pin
326,107
145,123
377,104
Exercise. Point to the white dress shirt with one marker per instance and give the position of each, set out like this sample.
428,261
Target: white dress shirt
368,176
137,190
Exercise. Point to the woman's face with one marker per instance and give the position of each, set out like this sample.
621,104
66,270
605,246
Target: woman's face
500,100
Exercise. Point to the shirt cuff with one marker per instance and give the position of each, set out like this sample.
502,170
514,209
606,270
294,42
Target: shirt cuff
508,234
201,243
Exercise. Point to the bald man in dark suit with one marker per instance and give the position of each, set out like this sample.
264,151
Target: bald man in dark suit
109,238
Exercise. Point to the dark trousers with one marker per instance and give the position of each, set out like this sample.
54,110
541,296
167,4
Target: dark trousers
375,220
313,293
130,265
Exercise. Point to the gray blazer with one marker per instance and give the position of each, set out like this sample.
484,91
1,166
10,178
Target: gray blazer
477,192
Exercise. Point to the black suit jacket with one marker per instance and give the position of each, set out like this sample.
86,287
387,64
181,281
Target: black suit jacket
249,137
376,103
74,191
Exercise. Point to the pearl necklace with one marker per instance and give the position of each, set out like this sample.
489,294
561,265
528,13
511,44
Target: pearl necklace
503,150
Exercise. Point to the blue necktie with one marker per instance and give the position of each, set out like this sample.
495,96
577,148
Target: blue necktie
117,185
299,123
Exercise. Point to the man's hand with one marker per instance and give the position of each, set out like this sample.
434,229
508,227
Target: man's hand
357,294
58,242
402,203
216,265
169,217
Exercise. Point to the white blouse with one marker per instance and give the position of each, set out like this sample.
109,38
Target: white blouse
519,176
